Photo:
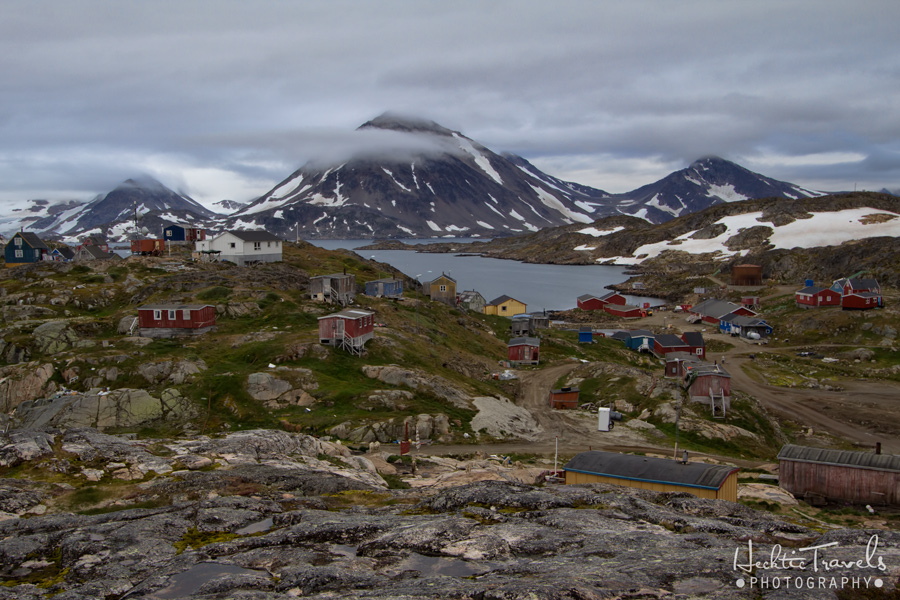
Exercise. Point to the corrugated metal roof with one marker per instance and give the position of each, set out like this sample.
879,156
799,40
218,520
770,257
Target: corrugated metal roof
173,306
524,341
694,338
669,340
846,458
654,470
31,239
811,290
350,313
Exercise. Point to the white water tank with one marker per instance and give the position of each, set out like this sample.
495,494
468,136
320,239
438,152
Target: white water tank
752,335
603,421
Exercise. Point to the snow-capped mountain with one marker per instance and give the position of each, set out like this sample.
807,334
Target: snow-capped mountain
144,202
708,181
444,184
226,207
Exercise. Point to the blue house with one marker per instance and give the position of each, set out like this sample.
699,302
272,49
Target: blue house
183,233
25,248
385,288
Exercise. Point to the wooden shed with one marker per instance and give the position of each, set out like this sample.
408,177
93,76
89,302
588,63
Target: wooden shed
471,300
716,482
349,329
385,288
524,350
171,320
585,334
825,475
746,275
337,288
566,397
708,384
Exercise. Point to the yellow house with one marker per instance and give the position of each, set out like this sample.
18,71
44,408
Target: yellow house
716,482
504,306
443,289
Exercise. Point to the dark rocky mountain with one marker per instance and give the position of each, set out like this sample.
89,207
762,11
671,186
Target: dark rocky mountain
441,184
143,200
707,181
229,206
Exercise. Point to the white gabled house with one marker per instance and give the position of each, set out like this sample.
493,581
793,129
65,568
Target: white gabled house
241,247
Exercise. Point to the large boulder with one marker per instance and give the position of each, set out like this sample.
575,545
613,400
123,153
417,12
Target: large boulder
21,383
53,337
276,392
101,409
175,372
501,418
417,380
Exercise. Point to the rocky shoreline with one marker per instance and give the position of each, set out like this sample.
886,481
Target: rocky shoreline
268,515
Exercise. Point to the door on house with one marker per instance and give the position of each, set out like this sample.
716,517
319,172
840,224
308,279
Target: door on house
339,329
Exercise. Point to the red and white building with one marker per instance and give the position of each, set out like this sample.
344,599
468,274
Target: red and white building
861,294
813,295
524,350
626,311
349,329
170,320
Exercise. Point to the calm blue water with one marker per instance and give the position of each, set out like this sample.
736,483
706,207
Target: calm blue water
552,287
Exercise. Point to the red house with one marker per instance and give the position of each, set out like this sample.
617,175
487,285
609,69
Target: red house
861,294
711,311
170,320
349,329
817,296
669,342
591,302
709,384
695,343
524,350
623,310
566,397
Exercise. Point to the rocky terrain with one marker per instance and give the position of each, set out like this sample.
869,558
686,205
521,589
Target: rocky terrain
270,515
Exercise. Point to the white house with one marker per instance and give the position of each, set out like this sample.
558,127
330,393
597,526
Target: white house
241,247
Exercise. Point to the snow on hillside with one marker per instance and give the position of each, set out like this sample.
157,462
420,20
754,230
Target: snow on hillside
823,229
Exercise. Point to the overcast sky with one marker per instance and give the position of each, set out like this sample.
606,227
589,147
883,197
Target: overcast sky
223,99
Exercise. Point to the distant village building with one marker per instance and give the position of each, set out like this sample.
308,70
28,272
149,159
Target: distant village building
861,294
472,300
95,241
566,397
746,275
337,288
385,288
640,340
241,247
25,248
87,252
442,289
520,325
745,327
820,475
349,330
716,482
148,247
812,296
593,302
524,351
712,311
585,334
708,384
62,254
504,306
183,234
625,311
171,320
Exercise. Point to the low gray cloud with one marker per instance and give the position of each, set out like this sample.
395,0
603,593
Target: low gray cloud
225,98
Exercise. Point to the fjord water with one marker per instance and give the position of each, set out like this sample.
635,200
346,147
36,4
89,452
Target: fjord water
551,287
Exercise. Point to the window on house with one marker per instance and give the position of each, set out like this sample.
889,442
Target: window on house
168,233
231,244
172,314
443,288
699,351
18,241
257,245
157,315
37,252
268,244
19,253
503,308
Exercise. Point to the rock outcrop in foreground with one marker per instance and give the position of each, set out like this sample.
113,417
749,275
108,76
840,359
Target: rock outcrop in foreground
261,515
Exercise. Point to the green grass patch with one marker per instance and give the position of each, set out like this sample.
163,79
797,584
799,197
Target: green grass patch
196,539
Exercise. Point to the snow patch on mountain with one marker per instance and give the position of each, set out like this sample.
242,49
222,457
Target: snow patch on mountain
600,232
551,201
480,159
726,193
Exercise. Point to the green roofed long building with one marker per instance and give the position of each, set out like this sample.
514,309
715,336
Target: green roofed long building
717,482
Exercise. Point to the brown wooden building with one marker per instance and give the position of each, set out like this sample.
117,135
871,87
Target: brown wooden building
825,475
337,288
746,275
442,289
566,397
716,482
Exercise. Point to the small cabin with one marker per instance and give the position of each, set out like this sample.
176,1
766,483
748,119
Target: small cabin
349,329
520,325
708,384
524,351
148,247
695,342
592,302
62,254
566,397
25,248
442,289
385,288
715,482
171,320
91,252
861,294
95,241
825,475
504,306
183,234
337,288
471,300
812,296
585,334
751,328
669,342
